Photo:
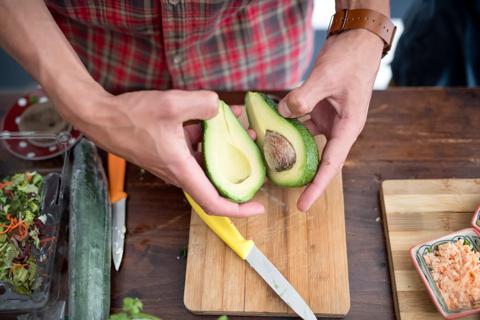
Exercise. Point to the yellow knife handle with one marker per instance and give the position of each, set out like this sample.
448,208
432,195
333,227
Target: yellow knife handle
116,177
224,229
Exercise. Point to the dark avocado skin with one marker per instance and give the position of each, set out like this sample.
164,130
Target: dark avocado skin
312,158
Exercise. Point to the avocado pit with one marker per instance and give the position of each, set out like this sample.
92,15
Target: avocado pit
278,151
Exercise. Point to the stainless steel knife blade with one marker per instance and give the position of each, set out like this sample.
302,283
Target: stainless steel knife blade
279,284
118,232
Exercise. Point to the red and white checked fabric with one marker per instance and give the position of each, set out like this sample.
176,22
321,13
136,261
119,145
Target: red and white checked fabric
189,44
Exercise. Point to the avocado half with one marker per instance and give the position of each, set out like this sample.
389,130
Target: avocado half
289,149
234,164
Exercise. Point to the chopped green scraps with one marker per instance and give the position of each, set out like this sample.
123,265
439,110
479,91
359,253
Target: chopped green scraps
132,308
19,229
183,252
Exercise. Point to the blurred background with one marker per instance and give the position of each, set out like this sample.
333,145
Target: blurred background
322,12
13,77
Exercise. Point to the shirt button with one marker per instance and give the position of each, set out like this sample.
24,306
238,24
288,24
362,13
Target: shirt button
173,2
177,59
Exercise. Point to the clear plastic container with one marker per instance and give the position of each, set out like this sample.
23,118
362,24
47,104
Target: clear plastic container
53,202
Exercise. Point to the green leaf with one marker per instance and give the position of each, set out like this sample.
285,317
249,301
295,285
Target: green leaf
222,318
132,308
119,316
17,179
34,235
32,270
28,188
28,217
32,100
144,316
184,252
20,275
37,179
132,305
33,207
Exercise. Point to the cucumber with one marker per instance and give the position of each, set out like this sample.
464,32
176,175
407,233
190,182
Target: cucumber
89,237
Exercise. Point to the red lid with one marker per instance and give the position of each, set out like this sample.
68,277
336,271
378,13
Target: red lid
476,221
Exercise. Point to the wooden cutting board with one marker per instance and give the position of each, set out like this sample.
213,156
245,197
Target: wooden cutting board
415,211
309,249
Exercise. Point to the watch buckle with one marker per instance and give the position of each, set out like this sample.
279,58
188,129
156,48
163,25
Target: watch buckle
344,20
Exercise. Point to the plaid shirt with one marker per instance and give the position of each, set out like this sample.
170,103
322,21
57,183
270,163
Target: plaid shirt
198,44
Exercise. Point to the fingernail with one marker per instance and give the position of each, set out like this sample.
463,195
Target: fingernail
302,207
283,109
303,210
260,210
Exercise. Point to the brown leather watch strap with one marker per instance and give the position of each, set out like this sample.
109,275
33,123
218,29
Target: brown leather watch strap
370,20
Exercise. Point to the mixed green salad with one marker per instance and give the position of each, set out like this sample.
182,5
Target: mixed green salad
20,225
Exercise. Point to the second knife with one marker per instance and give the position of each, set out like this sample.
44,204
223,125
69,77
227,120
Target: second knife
118,197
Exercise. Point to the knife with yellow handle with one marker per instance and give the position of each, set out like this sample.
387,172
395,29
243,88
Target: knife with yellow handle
246,249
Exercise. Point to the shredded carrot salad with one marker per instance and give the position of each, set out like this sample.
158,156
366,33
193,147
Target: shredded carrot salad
21,230
455,268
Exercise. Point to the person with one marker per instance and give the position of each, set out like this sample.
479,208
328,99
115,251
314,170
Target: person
131,75
438,46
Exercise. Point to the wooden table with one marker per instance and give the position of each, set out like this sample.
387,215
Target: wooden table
410,133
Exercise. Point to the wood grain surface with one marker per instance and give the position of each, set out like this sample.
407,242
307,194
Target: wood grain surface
308,249
416,211
411,133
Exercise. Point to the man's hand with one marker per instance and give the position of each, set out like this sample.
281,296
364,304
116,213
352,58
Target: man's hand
144,127
147,128
336,95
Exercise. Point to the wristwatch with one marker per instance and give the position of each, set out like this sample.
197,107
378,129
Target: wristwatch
370,20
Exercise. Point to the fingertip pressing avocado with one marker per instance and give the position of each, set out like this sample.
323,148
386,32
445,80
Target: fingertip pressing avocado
234,164
289,149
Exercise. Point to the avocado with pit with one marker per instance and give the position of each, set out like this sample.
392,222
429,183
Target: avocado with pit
234,164
289,149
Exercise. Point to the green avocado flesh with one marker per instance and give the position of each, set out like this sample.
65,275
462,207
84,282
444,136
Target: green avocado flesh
233,161
288,147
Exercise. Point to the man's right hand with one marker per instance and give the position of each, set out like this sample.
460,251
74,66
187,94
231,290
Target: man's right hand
144,127
147,128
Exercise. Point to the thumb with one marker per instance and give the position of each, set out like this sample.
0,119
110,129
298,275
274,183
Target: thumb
195,105
303,99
